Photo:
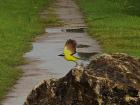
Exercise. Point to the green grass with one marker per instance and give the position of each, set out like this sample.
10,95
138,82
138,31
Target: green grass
116,25
19,24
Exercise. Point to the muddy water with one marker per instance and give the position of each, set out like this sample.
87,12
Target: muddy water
44,62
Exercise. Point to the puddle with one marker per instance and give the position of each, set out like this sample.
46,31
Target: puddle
71,30
77,30
10,97
28,75
83,46
86,56
54,30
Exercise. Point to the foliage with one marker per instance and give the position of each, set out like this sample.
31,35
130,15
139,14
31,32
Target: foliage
19,23
129,6
115,29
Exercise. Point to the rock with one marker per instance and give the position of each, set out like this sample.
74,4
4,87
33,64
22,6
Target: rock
120,68
107,80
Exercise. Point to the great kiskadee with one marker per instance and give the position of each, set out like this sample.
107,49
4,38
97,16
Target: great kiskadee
70,50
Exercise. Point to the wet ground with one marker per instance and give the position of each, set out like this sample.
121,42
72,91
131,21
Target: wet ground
44,62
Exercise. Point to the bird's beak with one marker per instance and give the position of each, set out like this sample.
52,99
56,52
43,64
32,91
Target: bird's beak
61,55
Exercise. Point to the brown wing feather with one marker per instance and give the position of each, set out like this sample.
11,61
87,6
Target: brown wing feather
71,45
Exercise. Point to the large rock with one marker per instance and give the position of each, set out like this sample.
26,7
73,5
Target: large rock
108,80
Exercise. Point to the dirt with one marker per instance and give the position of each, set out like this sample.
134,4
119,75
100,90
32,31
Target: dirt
107,80
43,62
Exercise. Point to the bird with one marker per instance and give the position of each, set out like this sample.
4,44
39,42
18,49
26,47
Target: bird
70,50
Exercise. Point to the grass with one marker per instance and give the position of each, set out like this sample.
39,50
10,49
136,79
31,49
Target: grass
19,24
116,25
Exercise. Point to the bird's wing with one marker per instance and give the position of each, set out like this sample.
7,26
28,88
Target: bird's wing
70,47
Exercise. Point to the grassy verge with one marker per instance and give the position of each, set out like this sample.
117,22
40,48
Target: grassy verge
19,24
116,25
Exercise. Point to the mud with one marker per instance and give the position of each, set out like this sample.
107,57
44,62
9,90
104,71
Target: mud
43,60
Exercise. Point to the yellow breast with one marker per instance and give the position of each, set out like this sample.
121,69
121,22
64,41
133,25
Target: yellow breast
71,58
